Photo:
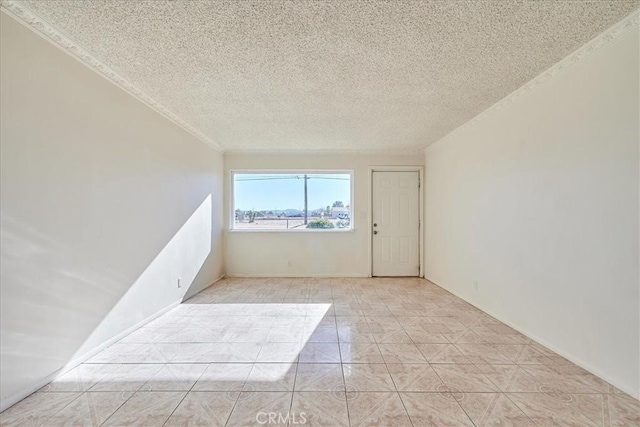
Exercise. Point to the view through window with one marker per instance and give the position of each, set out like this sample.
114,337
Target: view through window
292,201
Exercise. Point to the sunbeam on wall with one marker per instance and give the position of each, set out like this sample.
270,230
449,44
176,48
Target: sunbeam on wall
105,204
180,260
72,282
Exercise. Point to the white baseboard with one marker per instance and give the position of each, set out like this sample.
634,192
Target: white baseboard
216,280
570,357
295,276
16,397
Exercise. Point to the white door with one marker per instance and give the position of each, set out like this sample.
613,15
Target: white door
395,224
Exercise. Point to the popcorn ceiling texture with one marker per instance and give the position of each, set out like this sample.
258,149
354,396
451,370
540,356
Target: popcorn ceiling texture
357,75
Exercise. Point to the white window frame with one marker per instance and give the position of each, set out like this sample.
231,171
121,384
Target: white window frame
232,203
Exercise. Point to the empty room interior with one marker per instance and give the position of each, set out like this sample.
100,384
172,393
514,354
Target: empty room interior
320,213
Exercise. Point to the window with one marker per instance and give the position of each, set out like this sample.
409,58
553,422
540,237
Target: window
292,200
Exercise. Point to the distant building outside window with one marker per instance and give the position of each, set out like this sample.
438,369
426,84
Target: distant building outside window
291,201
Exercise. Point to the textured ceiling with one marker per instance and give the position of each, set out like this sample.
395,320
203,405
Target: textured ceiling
356,75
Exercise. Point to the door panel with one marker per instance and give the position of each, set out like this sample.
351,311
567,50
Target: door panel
395,247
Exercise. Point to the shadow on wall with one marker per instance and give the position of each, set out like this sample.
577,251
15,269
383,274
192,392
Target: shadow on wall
57,304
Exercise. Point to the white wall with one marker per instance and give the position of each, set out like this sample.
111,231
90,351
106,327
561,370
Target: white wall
538,202
311,254
105,204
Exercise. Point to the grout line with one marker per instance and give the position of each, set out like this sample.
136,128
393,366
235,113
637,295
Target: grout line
456,400
186,394
384,362
80,394
399,395
123,403
518,406
354,295
233,408
344,380
438,375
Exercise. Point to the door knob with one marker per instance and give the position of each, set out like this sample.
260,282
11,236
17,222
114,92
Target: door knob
375,224
375,232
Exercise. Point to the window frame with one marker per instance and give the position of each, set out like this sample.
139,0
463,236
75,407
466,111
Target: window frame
232,207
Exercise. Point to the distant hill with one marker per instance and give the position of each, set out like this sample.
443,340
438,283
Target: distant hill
291,212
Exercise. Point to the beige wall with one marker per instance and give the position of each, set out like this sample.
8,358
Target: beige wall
538,203
311,254
105,204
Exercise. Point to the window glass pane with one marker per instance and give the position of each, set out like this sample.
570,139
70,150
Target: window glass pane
276,201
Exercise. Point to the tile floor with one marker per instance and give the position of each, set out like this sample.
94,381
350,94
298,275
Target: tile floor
326,352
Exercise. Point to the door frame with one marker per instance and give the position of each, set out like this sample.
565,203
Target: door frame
420,170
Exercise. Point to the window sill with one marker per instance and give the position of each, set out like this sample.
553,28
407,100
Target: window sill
307,230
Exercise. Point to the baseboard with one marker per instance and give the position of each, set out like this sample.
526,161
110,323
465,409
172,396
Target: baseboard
16,397
216,280
295,276
570,357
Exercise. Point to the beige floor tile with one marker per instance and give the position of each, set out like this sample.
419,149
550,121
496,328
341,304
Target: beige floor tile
359,377
320,334
245,335
506,376
468,337
279,352
358,352
261,408
434,410
389,333
442,353
146,409
435,328
320,353
420,336
378,324
148,334
286,334
223,377
498,354
133,353
568,378
414,377
353,322
401,353
238,352
175,377
530,355
36,409
203,409
271,377
409,322
315,409
128,377
560,408
196,352
319,377
288,324
493,409
466,378
377,409
81,378
621,410
347,311
490,336
355,335
90,409
394,336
